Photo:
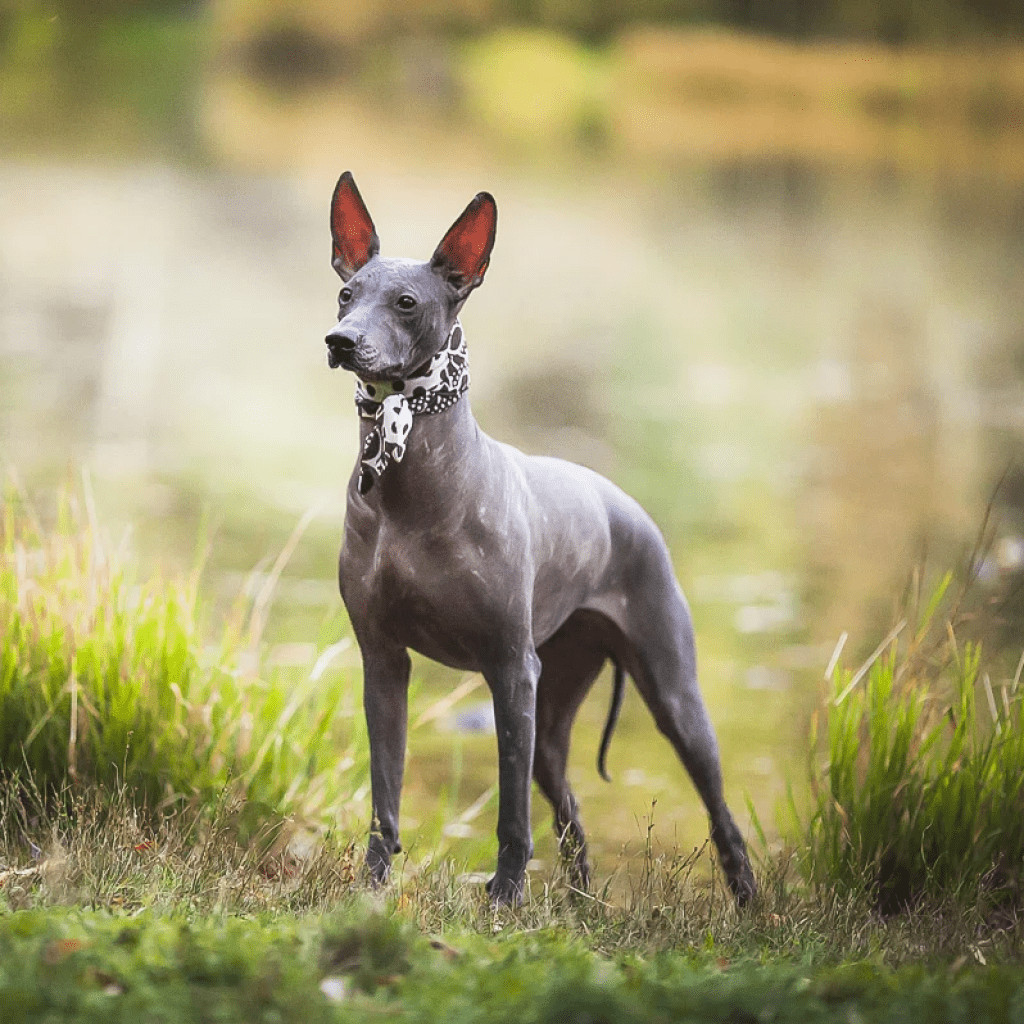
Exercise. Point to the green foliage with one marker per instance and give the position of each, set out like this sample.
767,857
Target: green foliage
923,794
109,682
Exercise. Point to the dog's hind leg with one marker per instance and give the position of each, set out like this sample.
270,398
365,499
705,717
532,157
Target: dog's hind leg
660,655
666,676
570,662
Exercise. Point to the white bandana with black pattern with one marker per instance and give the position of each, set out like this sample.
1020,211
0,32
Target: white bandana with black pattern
433,387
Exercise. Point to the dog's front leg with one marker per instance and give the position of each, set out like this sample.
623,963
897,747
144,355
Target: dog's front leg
385,701
513,687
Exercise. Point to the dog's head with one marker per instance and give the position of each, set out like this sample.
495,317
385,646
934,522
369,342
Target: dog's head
395,314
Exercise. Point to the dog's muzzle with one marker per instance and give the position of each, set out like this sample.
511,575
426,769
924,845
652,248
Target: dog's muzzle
340,348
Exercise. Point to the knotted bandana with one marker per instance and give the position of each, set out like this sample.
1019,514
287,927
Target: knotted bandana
433,387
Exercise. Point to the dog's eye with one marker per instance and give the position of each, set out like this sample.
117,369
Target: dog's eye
346,295
406,302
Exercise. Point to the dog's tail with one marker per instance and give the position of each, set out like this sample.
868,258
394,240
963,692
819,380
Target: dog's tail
618,691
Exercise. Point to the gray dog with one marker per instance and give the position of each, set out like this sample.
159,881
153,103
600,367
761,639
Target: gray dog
531,571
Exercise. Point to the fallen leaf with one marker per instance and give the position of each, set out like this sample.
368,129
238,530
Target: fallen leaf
449,952
61,949
107,983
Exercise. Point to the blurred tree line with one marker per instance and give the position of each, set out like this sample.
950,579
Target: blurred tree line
889,21
120,74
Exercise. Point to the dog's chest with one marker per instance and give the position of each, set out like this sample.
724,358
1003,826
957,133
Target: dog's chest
429,591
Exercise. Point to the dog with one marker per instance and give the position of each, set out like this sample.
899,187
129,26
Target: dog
532,571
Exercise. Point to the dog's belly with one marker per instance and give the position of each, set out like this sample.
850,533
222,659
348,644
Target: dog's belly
470,644
445,650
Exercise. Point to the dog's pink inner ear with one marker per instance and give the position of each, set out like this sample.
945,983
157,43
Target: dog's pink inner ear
466,250
355,238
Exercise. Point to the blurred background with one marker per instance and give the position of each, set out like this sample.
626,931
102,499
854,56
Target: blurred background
762,265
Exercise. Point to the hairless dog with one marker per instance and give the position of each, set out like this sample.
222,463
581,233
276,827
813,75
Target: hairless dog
532,571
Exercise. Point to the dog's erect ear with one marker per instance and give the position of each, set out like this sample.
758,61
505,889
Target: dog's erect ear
465,251
355,238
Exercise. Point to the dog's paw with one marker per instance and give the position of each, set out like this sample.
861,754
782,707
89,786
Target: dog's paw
505,892
579,876
376,873
377,866
743,886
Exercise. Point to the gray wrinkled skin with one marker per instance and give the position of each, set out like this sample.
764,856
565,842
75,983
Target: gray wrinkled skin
531,571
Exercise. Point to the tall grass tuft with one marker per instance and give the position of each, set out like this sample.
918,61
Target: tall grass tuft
923,792
107,681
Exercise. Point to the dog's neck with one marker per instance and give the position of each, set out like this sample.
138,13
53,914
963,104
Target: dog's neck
393,407
410,429
440,464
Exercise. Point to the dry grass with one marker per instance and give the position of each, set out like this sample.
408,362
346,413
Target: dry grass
98,852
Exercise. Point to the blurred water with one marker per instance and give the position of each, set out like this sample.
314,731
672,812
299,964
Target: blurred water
805,374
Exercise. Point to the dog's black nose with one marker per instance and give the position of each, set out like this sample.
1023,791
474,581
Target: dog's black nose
339,344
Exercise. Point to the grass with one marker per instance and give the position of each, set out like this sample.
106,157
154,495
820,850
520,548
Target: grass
923,792
109,682
105,917
153,865
100,853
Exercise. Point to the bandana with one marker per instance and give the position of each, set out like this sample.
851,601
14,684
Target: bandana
433,387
